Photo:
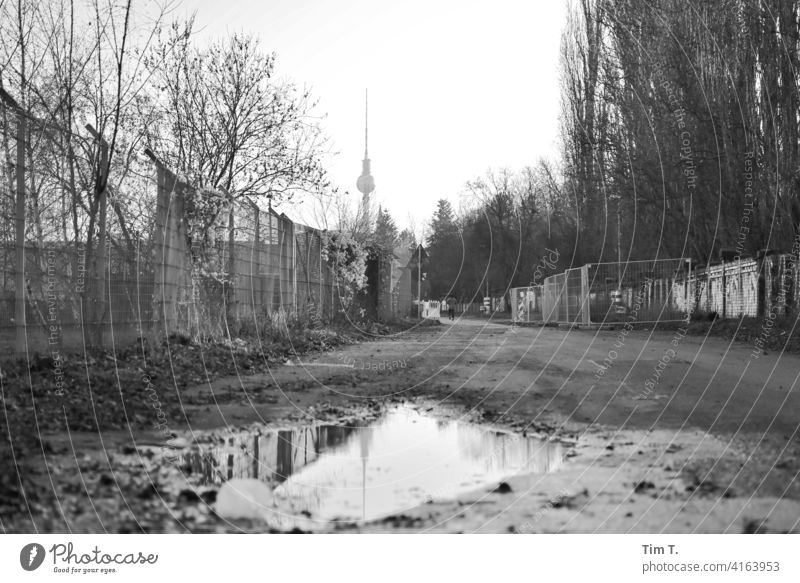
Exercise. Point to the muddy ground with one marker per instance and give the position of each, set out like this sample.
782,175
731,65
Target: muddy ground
702,439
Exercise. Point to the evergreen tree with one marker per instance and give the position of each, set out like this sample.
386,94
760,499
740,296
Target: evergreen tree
445,249
443,225
386,234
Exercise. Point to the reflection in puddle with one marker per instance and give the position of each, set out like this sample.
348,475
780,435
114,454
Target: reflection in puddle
360,473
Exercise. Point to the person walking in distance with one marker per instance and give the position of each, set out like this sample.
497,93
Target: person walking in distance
451,307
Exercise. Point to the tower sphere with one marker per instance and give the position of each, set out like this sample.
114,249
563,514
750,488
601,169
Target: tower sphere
365,182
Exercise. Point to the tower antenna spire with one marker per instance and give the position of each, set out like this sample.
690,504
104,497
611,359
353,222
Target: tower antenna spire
366,123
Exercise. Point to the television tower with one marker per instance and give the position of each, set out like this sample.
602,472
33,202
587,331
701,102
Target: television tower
365,182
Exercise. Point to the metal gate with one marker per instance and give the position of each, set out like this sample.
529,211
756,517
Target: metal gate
526,304
602,293
565,297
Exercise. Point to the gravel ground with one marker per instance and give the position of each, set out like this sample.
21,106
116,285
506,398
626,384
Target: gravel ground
665,433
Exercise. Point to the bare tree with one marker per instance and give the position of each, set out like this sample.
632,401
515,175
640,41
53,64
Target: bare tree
230,125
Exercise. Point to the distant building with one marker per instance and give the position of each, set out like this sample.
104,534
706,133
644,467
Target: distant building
409,280
402,282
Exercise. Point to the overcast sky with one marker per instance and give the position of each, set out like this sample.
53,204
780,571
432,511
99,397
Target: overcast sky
455,87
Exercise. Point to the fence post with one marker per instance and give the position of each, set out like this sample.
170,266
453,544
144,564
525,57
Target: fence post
20,342
686,286
273,247
255,259
160,252
283,263
171,253
229,294
102,251
19,276
294,267
724,292
762,286
585,285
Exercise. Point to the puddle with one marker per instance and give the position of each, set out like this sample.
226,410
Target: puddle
405,458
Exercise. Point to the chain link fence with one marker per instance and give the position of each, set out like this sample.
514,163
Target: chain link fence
638,291
666,290
251,265
527,304
604,293
163,270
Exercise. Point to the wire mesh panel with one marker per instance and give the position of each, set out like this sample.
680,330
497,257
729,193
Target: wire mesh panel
518,304
742,289
526,304
287,262
6,280
63,305
709,290
640,291
130,276
329,294
781,283
431,309
564,298
275,263
55,303
576,296
309,269
553,297
154,255
246,281
88,264
175,283
130,293
278,265
272,264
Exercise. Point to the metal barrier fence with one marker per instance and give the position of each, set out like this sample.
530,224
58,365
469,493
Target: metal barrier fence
565,297
60,311
470,309
526,304
430,309
173,278
639,291
266,263
66,303
603,293
782,283
315,285
666,290
729,290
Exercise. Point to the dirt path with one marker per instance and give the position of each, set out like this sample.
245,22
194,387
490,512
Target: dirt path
712,446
